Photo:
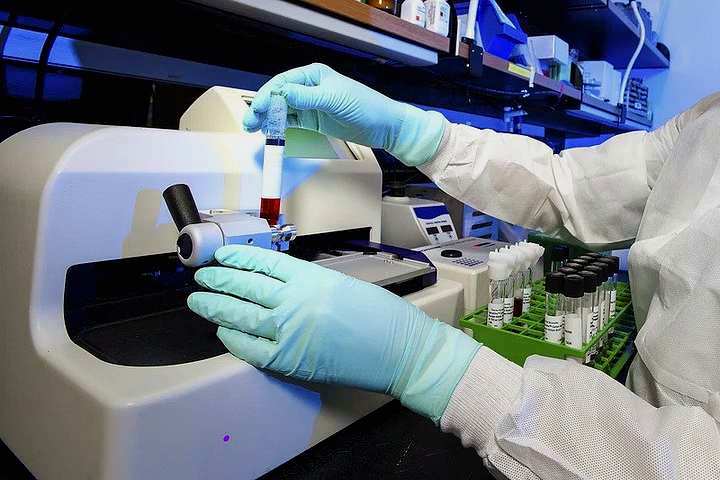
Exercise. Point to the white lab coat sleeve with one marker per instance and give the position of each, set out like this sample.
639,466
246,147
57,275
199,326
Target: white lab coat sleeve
556,419
597,194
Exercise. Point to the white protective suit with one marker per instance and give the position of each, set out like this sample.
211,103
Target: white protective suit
554,419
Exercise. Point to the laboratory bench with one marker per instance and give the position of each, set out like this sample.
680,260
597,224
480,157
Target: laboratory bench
390,443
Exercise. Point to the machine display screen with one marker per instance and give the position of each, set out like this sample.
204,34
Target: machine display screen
433,230
446,228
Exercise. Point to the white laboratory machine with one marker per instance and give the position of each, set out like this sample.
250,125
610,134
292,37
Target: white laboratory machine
465,261
104,372
415,222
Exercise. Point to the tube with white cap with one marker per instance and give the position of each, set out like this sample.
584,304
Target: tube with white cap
499,271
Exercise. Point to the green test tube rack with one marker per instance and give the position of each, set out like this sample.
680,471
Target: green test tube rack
525,335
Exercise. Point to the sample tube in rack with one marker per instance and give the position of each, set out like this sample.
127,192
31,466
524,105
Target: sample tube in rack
558,256
573,287
590,310
499,271
554,309
274,130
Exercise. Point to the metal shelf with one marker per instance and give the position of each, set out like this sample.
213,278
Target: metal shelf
600,29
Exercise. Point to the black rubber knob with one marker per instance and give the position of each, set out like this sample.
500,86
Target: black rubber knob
185,246
182,206
451,253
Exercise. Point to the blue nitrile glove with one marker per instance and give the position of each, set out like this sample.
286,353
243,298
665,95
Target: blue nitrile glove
311,323
322,100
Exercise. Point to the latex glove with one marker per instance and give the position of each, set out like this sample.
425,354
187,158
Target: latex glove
325,101
311,323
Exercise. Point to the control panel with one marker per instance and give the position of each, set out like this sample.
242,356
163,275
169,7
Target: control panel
435,221
415,222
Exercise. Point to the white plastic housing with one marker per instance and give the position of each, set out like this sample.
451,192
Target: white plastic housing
85,193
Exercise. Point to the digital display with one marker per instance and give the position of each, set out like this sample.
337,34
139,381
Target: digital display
446,228
433,230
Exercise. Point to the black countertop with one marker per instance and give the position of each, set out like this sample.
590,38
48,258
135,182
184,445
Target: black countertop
391,443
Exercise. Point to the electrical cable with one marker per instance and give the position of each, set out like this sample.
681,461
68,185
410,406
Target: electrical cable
43,61
633,59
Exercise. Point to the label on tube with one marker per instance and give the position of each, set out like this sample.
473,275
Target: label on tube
496,313
508,316
573,330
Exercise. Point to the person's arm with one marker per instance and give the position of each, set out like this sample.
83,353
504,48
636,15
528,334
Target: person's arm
597,194
559,420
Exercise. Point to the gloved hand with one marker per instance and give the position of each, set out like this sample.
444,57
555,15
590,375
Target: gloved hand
322,100
311,323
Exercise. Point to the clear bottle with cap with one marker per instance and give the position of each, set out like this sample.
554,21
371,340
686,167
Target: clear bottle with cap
499,271
554,314
590,309
604,270
558,257
573,291
529,253
612,288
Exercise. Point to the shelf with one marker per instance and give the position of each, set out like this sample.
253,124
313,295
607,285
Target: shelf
377,19
600,29
522,74
345,23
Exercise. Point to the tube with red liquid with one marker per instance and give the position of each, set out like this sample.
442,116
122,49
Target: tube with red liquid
274,130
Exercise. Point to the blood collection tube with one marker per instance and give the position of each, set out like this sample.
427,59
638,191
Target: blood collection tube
274,130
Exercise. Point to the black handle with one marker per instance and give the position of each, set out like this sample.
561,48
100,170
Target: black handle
182,206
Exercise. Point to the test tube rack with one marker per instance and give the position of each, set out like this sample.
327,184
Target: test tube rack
525,335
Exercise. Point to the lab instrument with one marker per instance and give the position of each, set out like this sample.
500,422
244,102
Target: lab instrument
465,261
415,222
97,322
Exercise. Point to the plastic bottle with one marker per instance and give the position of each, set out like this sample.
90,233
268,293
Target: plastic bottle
559,256
413,11
437,16
573,287
499,271
554,310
